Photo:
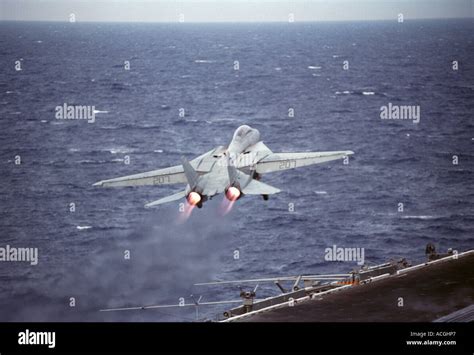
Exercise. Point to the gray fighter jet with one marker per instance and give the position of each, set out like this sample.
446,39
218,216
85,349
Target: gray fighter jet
234,170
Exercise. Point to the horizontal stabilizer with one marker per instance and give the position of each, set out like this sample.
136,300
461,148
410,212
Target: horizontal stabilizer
259,188
166,199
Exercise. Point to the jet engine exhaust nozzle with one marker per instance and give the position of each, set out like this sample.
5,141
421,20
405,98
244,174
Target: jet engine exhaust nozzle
233,193
193,198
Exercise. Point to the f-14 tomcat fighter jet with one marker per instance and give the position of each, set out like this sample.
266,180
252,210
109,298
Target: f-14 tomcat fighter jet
234,170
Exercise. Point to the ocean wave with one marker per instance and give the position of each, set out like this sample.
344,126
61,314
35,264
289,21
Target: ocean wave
359,92
131,127
223,119
204,61
88,161
119,150
419,217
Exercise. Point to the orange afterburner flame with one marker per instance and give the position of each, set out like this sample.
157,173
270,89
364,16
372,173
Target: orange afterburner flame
226,206
193,198
185,213
232,193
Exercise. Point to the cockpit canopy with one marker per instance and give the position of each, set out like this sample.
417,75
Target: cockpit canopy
244,137
242,131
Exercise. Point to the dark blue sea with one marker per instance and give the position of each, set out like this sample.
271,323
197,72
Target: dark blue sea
191,66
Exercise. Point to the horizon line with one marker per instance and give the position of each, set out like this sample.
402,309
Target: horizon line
246,22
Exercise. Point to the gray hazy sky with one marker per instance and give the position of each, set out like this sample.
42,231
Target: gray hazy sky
231,10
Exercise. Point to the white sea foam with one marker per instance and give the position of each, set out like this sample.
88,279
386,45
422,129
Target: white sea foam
119,150
224,119
418,217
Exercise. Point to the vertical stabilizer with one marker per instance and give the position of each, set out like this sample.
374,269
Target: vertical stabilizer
232,171
191,175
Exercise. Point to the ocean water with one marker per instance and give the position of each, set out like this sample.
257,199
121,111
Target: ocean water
191,66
